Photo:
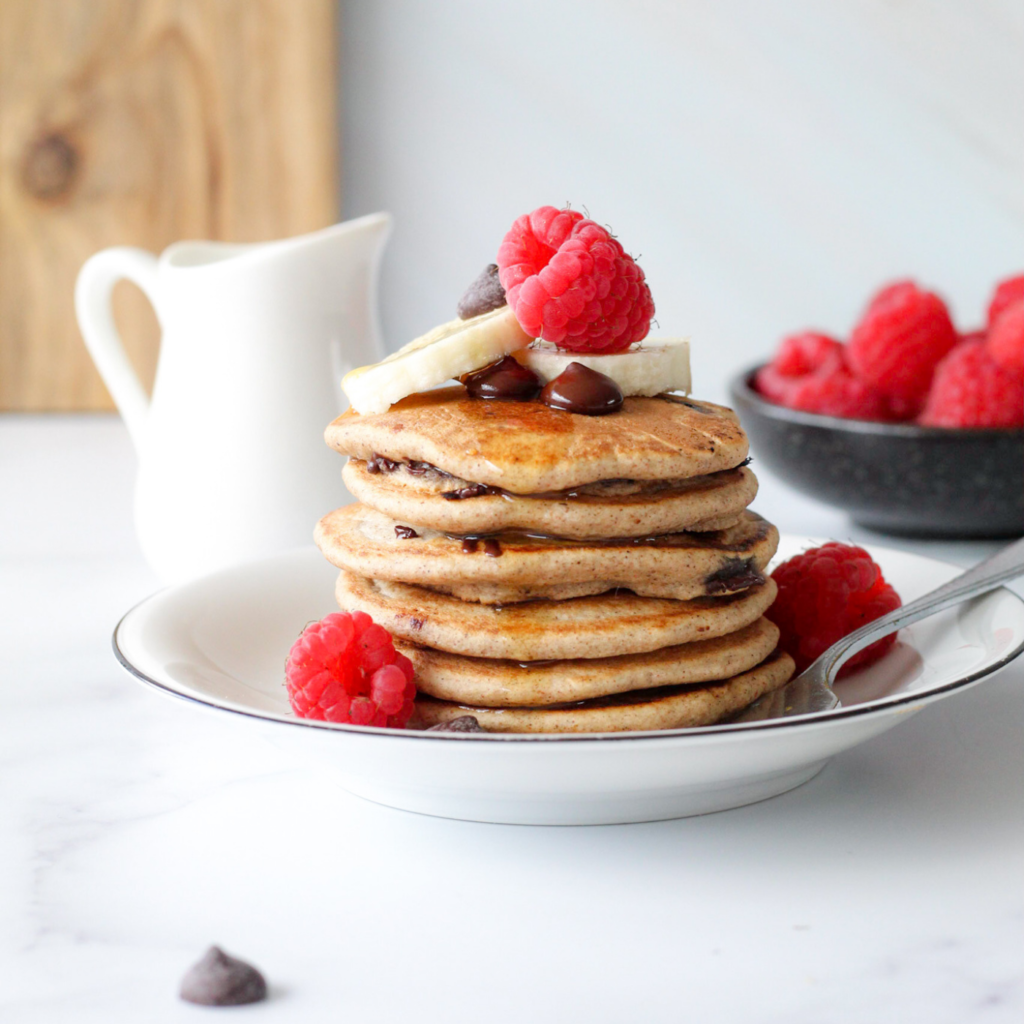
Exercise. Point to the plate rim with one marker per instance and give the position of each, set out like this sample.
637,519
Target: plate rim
801,722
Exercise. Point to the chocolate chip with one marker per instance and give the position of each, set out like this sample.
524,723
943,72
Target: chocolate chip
405,532
492,548
469,546
221,980
464,723
379,464
737,574
581,390
505,378
472,491
483,295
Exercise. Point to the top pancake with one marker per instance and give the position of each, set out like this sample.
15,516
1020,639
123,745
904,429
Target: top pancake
528,447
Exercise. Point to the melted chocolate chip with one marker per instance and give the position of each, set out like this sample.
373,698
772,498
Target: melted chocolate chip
581,390
737,574
379,464
492,548
405,532
469,546
464,723
483,295
472,491
222,980
505,378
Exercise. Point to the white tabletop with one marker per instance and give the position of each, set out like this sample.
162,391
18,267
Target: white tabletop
138,830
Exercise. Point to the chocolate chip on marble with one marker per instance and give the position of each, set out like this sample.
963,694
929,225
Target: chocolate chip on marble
483,295
221,980
464,723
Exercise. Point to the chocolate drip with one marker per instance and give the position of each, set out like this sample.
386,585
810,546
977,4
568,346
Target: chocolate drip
405,532
492,548
469,545
583,391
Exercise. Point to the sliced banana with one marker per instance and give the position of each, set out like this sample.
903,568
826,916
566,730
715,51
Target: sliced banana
655,366
449,350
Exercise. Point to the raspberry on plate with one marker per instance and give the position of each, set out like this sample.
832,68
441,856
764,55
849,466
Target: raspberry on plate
972,390
1006,294
825,594
345,668
1005,341
569,282
902,336
809,372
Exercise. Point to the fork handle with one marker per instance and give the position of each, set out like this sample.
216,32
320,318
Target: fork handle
1002,566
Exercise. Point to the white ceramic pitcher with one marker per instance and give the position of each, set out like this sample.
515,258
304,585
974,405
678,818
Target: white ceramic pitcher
255,340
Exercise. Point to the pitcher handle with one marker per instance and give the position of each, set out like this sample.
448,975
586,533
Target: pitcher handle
93,290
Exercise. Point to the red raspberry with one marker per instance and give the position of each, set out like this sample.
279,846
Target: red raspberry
1005,340
826,593
838,393
900,339
1006,294
972,390
809,373
803,353
569,282
344,668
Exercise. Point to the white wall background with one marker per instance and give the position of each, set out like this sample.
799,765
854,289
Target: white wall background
770,162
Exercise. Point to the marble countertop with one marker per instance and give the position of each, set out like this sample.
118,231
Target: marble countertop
137,830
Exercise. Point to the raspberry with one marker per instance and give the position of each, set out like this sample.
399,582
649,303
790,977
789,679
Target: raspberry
1005,340
803,353
972,390
809,373
569,282
900,339
1006,294
826,593
344,668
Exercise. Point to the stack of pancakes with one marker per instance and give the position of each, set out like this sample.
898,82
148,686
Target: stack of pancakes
554,572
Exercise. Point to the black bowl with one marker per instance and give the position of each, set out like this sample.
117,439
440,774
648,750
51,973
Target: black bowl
893,477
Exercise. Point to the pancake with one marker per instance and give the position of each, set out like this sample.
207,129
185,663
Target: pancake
584,627
493,683
603,509
528,447
519,567
675,707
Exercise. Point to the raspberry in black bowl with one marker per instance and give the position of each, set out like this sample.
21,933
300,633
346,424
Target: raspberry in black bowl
911,427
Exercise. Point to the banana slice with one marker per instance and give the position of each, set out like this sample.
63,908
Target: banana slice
447,351
658,365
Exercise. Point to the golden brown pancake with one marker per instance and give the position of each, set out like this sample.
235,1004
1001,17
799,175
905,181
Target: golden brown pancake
492,683
584,627
527,447
672,708
519,567
605,509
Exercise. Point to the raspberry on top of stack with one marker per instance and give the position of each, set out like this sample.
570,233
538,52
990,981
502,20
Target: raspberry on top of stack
561,543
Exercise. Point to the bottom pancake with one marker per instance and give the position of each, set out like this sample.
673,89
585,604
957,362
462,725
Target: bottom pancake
492,682
676,707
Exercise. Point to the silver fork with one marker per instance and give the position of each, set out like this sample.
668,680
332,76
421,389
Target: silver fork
811,691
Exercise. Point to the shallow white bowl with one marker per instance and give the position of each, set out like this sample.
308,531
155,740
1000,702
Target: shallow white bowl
221,642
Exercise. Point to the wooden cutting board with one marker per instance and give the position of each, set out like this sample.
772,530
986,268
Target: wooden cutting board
139,122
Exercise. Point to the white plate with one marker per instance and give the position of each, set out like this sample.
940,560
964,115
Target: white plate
221,642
